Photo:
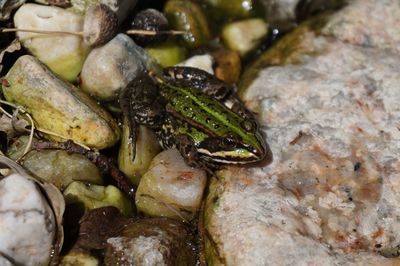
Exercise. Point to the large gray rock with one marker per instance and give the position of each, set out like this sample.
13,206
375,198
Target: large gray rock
330,113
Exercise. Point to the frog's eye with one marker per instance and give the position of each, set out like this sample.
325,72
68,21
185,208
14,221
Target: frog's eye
249,125
229,143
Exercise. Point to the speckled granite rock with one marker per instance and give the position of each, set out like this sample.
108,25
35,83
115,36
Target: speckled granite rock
331,114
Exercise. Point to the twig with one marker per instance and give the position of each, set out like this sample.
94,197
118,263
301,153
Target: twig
45,131
105,164
31,133
149,32
76,33
81,34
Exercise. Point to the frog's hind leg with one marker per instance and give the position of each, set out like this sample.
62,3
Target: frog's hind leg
199,79
125,101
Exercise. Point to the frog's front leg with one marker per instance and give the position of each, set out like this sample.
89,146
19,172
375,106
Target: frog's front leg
187,149
191,156
145,104
140,104
185,146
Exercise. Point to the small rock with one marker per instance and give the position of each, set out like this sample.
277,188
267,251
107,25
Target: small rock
27,222
203,62
63,54
171,188
58,167
111,67
146,148
147,242
57,106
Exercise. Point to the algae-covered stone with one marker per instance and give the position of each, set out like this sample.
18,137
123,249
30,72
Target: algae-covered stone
288,50
189,17
171,188
58,167
94,196
64,54
222,9
147,147
227,65
168,53
58,106
79,258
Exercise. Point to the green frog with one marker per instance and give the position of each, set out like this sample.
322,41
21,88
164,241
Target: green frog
197,113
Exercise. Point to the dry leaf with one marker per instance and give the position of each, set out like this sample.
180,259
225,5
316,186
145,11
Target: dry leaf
12,47
13,126
7,6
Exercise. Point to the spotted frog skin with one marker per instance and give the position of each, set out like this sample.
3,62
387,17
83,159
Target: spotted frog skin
198,114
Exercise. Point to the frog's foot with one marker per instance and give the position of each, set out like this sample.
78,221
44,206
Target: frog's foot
188,151
192,157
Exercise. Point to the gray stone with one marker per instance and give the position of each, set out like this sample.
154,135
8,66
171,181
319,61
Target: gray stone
109,68
27,223
331,194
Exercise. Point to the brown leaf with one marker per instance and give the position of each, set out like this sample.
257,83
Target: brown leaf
12,47
13,126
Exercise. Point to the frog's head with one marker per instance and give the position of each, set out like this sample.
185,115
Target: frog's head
241,146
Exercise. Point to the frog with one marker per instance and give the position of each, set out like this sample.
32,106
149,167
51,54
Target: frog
193,111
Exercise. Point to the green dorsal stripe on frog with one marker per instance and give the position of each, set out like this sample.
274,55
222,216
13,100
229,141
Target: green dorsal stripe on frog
219,111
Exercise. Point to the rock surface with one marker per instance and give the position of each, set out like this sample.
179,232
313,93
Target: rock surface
330,113
22,216
170,188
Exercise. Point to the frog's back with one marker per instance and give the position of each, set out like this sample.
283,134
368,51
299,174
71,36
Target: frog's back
201,110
